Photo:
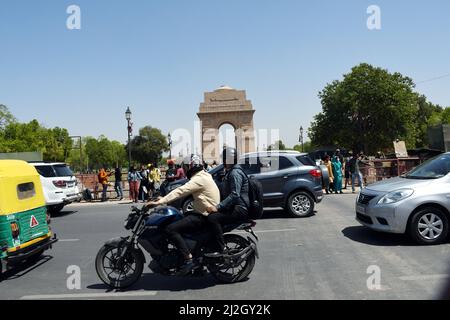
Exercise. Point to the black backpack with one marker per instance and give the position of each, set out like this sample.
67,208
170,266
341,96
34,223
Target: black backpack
87,195
256,196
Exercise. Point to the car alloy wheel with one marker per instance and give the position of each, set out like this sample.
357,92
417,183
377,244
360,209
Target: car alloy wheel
300,204
188,206
430,226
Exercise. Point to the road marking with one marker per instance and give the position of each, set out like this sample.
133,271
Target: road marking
68,240
267,231
425,277
90,295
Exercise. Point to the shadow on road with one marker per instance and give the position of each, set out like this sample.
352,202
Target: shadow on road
368,236
24,268
63,214
280,214
156,282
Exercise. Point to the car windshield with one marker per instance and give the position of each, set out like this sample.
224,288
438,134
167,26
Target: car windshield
46,171
62,171
435,168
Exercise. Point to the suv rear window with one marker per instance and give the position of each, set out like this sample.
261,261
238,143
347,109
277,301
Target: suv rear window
63,171
306,160
274,163
46,171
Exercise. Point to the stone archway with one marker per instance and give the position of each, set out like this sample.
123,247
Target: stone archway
226,106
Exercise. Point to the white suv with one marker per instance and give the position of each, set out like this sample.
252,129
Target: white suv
59,184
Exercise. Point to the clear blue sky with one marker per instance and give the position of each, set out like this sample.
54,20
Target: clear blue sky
160,56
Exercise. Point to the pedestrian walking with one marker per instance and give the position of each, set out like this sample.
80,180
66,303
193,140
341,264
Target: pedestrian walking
118,183
347,171
144,185
134,179
337,174
327,163
354,167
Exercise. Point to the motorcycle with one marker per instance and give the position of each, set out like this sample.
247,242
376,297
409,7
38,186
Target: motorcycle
120,261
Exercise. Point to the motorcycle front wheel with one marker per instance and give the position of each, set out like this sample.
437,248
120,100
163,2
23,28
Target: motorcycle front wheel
117,273
230,272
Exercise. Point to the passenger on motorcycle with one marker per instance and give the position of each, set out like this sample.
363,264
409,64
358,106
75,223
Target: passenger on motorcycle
235,203
205,193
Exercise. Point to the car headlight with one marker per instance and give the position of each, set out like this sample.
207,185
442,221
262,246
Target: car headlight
396,196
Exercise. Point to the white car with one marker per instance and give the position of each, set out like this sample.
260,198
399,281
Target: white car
59,184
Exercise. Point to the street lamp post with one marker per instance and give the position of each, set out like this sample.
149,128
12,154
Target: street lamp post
170,145
130,131
301,137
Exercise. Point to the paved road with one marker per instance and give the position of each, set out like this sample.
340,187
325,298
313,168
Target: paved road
325,256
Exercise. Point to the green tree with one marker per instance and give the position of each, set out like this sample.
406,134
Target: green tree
278,145
428,115
367,110
307,147
6,117
55,144
445,116
149,145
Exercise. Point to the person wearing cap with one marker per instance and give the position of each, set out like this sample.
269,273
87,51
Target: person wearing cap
205,193
170,173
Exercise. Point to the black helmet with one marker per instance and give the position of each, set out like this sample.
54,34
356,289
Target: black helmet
229,156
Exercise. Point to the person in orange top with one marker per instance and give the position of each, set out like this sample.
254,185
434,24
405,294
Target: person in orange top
103,180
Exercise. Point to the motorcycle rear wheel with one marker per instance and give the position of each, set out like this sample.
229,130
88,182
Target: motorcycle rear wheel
221,271
119,275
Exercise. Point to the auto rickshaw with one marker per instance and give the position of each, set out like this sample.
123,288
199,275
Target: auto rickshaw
24,223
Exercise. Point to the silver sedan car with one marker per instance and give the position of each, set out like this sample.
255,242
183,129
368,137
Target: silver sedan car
417,203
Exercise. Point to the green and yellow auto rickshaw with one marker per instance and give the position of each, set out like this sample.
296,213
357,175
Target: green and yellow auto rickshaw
24,224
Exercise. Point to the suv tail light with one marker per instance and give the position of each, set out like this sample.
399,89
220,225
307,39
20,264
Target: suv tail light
316,173
59,183
15,229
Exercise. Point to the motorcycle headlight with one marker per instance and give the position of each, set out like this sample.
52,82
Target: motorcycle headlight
396,196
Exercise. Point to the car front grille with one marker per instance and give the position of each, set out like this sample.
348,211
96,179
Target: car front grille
364,198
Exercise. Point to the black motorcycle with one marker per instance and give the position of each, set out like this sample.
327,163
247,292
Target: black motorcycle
120,262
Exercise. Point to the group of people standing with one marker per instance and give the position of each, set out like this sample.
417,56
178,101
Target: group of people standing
339,167
144,183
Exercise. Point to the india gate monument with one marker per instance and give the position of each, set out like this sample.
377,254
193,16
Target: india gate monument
226,105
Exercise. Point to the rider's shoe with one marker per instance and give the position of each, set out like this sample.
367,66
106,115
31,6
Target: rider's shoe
186,268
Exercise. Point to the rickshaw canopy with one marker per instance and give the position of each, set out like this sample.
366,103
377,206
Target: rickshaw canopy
20,187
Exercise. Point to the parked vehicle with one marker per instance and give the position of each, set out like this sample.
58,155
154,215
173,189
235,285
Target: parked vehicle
416,203
24,223
120,261
289,179
59,183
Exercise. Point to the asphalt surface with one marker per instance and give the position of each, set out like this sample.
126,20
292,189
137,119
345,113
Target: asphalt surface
325,256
